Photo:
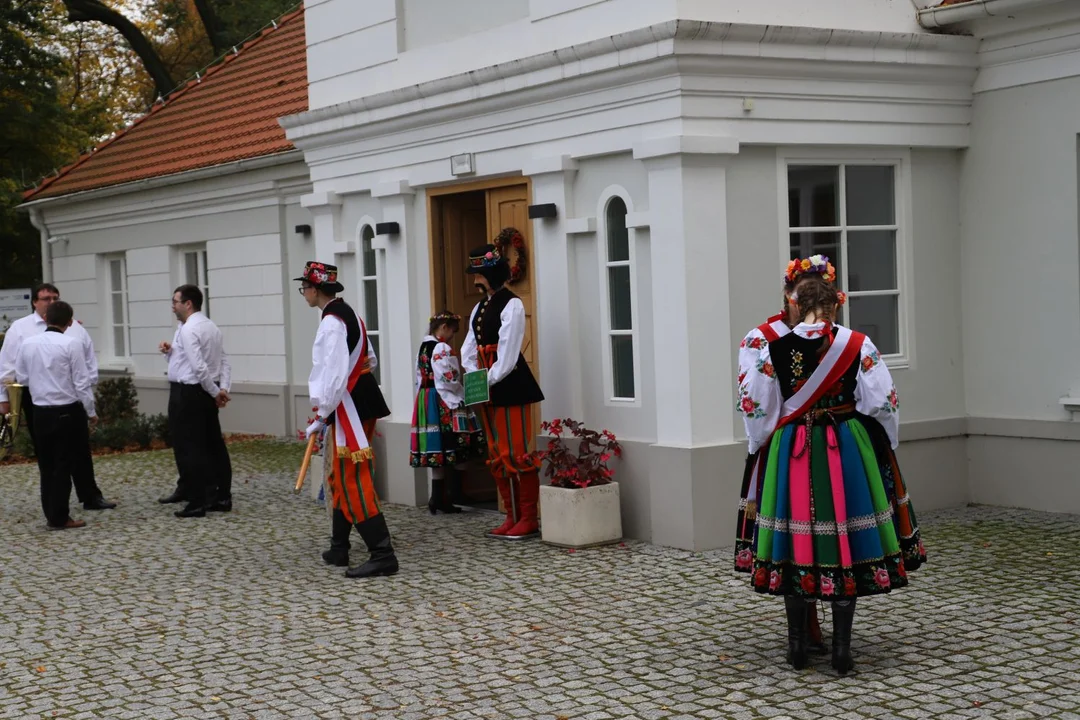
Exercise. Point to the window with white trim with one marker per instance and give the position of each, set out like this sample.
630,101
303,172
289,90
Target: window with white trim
119,325
193,271
617,254
849,212
369,286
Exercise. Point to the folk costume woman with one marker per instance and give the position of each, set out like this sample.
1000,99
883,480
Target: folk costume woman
825,527
445,433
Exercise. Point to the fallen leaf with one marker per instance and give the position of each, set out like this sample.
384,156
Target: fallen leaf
440,614
724,658
571,551
561,717
40,668
537,627
216,699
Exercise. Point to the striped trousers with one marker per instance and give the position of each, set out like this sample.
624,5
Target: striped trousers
352,484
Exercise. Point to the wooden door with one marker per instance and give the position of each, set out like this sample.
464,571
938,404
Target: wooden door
463,221
509,207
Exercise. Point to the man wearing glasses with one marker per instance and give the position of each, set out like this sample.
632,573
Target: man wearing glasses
199,382
82,462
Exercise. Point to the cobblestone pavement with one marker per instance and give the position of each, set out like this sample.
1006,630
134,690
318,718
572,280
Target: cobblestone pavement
141,615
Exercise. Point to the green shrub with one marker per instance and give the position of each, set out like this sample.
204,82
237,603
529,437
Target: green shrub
116,400
23,446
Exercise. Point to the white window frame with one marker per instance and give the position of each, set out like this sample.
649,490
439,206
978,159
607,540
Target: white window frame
900,159
110,297
377,278
202,270
610,399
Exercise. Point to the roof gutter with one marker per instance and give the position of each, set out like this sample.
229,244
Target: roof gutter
263,161
937,17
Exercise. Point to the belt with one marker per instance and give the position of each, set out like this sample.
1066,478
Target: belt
832,416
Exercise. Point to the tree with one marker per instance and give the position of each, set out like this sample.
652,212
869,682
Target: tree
37,132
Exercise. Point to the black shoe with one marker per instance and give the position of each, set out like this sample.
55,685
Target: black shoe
176,497
796,619
843,617
336,557
377,538
437,500
220,506
98,503
191,511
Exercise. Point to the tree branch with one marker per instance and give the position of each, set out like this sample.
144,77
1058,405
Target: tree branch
212,23
96,11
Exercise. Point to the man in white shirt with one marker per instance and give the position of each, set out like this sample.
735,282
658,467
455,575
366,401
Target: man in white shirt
199,382
44,295
53,368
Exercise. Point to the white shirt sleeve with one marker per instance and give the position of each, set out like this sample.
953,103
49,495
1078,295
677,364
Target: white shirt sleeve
760,400
372,358
447,376
468,347
12,341
86,343
875,393
80,375
21,370
226,370
511,337
329,366
193,349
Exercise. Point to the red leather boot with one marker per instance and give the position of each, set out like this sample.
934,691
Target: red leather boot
504,490
528,496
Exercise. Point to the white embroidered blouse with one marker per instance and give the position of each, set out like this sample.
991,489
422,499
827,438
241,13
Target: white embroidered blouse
760,399
447,370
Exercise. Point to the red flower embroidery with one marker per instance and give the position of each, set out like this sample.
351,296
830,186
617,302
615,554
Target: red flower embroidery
881,577
742,376
744,559
774,580
767,370
808,584
759,577
849,586
748,405
867,363
901,571
827,587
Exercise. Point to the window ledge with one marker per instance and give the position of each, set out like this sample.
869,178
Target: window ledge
117,366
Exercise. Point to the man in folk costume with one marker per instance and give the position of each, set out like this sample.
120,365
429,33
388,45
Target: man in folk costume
493,342
347,402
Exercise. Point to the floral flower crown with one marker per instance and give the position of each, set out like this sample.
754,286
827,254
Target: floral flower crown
813,265
444,317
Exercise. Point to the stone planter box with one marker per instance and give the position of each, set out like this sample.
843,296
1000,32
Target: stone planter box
582,517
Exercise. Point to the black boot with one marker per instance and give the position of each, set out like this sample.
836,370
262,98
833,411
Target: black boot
453,486
377,538
437,501
338,554
796,631
843,615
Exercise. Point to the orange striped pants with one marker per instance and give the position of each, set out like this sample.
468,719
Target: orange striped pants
509,432
352,484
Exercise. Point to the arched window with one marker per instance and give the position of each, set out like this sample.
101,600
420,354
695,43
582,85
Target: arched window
369,282
618,263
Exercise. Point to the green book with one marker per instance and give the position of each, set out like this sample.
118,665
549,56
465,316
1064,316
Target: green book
476,387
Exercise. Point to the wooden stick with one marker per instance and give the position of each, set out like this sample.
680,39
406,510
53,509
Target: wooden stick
307,461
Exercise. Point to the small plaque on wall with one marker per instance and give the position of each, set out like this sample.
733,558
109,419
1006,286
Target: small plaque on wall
462,164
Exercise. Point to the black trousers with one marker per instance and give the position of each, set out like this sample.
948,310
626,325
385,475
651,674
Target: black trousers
82,471
198,446
59,431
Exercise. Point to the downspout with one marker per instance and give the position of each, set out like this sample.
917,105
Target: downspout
937,17
37,219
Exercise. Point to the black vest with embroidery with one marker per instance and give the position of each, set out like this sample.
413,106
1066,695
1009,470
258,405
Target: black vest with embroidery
423,363
366,394
519,387
796,358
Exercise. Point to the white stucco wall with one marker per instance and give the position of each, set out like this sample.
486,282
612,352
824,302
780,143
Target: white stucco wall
1021,285
356,49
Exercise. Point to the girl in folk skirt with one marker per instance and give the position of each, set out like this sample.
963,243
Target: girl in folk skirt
445,433
827,526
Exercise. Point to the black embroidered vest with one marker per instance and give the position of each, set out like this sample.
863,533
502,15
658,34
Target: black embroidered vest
366,394
423,363
796,358
519,387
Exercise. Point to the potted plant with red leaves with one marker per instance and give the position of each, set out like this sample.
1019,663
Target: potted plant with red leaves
580,507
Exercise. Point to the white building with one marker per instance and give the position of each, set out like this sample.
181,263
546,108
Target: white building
678,151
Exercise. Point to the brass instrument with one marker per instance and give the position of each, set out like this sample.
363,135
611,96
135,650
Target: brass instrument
9,423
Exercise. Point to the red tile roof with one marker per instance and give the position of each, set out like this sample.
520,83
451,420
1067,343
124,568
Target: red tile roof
229,114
